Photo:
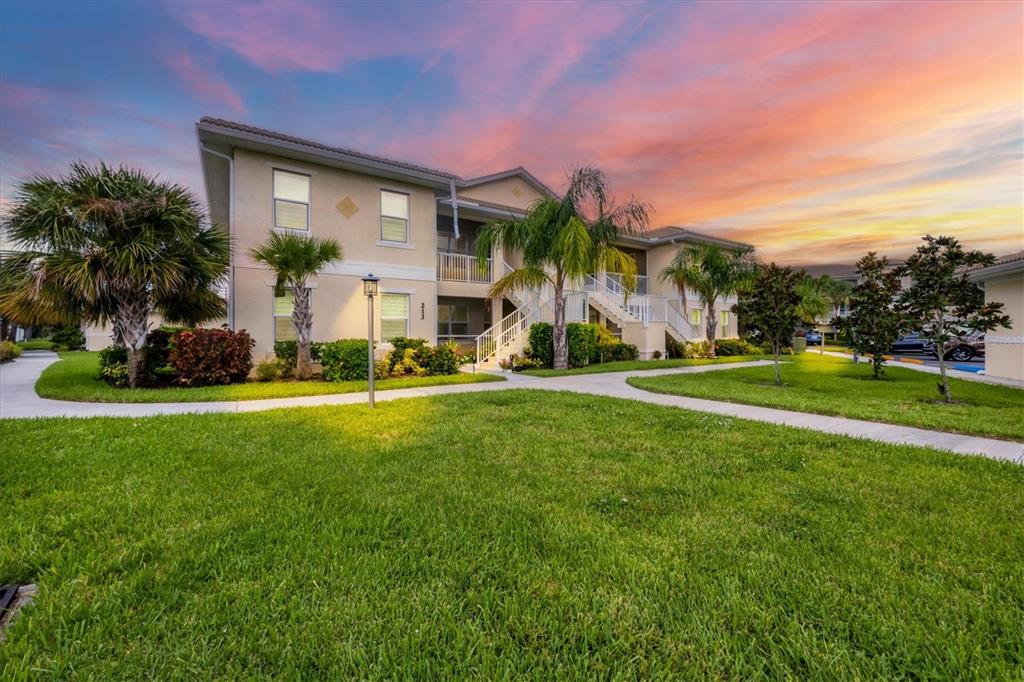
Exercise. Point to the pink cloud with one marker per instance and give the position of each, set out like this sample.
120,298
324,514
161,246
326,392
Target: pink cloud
203,82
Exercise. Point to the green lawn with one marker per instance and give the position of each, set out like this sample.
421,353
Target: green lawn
35,344
74,377
835,386
630,365
502,535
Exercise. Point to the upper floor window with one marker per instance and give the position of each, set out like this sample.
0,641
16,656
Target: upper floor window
291,200
394,217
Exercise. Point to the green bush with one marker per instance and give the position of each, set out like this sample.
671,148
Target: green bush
582,341
542,347
418,354
288,353
345,360
728,347
697,349
268,370
444,359
619,352
207,357
114,365
67,338
673,349
8,351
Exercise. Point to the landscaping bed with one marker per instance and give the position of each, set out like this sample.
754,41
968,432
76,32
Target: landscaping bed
501,535
835,386
75,377
633,365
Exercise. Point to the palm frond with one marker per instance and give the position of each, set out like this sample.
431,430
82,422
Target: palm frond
519,279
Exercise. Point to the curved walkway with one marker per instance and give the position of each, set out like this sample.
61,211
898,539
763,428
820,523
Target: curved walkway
18,399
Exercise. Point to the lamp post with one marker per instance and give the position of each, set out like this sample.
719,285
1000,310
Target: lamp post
370,289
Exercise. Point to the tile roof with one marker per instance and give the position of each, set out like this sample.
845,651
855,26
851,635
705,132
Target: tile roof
291,139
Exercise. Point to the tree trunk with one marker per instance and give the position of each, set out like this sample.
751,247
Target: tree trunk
561,349
710,325
132,325
940,350
302,318
777,351
4,329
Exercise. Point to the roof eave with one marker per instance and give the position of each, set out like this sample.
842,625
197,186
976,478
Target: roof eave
346,161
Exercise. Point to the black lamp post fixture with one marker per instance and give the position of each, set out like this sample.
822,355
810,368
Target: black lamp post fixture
370,289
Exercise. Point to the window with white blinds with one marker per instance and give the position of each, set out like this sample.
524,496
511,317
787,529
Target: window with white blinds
695,317
723,319
394,316
284,328
291,200
394,217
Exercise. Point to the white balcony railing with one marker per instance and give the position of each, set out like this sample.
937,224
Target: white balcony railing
457,267
613,280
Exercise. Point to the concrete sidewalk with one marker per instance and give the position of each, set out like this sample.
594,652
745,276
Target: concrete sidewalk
18,399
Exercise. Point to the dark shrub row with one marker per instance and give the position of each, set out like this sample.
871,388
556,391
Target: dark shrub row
184,357
589,344
347,359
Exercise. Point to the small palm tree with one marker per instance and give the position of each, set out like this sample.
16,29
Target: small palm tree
563,240
111,245
838,293
814,303
712,273
295,258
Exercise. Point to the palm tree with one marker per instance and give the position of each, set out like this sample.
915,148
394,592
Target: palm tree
838,293
563,240
712,273
111,245
294,259
814,303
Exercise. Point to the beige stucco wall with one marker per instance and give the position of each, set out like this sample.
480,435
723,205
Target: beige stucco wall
1004,348
509,192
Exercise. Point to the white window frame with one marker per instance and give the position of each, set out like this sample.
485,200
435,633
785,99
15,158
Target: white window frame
407,218
699,314
274,315
273,198
723,319
408,313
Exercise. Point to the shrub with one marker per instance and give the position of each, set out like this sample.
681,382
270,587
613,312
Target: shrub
542,347
619,351
518,364
67,338
8,351
114,365
697,349
288,353
403,362
728,347
268,370
657,355
673,349
203,357
401,344
345,360
582,341
444,359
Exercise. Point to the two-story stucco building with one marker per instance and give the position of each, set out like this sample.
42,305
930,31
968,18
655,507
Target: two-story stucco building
415,228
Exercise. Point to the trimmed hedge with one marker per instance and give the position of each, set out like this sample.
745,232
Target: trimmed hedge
205,357
288,352
67,338
727,347
345,360
588,343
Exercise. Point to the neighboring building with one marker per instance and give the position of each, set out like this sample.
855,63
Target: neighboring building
415,228
1003,282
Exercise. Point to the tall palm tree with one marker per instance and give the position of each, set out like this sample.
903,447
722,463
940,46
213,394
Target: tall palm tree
111,245
838,293
562,240
712,273
294,259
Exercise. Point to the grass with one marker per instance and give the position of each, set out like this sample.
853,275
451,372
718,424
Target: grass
631,365
835,386
503,535
35,344
74,377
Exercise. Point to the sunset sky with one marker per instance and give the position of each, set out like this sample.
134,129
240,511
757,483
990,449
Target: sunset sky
815,131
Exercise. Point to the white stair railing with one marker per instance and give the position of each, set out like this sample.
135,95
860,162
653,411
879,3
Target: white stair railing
629,308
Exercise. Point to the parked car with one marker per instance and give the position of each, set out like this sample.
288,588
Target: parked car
813,338
961,348
909,343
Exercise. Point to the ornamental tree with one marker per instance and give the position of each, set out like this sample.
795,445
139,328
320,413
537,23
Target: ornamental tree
941,302
874,321
770,308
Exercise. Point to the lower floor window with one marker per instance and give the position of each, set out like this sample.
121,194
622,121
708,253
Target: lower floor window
695,317
723,318
394,316
284,328
452,320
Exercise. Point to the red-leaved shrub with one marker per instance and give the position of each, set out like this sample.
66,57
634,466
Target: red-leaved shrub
202,357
